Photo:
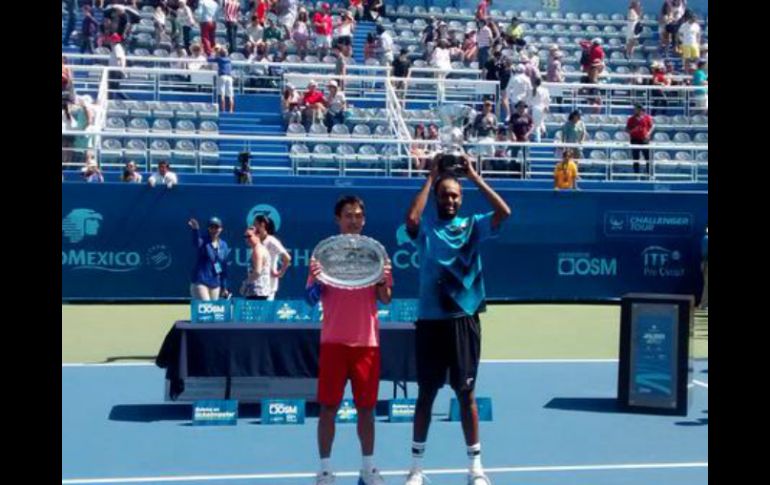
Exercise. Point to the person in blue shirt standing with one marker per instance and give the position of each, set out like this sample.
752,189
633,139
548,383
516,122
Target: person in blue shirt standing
451,291
704,266
225,75
209,277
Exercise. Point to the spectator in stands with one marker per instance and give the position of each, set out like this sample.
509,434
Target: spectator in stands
121,23
519,85
484,41
700,96
485,123
429,36
370,47
207,20
401,66
274,37
300,33
470,48
374,10
71,6
159,21
185,21
322,25
515,34
499,161
260,11
255,30
419,151
225,79
83,116
243,170
432,132
290,105
441,60
335,105
313,103
530,64
357,8
592,94
574,131
231,10
341,61
521,127
639,128
67,90
482,12
689,36
105,30
555,73
539,102
633,27
659,96
505,74
565,174
345,30
491,68
164,176
88,30
91,172
130,173
385,45
209,277
704,266
287,12
197,59
592,52
117,59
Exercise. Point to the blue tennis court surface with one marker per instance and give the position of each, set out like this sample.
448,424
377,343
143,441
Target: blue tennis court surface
554,423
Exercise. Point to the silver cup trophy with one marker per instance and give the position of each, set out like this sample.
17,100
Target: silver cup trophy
455,118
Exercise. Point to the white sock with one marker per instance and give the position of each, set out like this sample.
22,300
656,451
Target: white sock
418,451
474,457
325,465
368,463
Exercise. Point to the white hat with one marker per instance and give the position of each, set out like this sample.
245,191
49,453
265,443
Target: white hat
332,83
312,83
518,68
290,86
596,40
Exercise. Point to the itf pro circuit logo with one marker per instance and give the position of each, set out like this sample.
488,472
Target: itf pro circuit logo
80,223
660,262
264,210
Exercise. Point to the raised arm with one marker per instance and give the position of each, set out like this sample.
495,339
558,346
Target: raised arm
414,216
502,211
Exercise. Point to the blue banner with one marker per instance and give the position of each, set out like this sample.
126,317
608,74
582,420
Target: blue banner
401,410
217,311
215,412
283,411
132,242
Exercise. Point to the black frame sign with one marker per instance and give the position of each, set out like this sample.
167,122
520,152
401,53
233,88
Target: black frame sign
655,369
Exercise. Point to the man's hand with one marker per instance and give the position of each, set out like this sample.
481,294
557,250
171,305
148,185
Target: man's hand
193,223
315,270
225,294
387,272
468,164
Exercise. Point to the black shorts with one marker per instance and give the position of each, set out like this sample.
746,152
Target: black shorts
448,346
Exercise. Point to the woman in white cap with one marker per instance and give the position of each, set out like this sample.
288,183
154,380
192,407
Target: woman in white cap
555,72
290,101
335,105
209,277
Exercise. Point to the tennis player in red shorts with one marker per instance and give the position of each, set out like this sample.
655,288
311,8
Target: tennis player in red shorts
350,349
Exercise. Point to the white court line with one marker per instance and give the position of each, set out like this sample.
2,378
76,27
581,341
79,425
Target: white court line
483,361
441,471
699,383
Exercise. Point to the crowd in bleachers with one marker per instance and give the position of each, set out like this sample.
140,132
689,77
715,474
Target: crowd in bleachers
504,46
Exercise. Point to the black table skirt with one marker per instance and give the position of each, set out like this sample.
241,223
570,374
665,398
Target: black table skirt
269,350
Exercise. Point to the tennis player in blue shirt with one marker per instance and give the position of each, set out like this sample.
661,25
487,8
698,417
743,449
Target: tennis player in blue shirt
209,277
448,331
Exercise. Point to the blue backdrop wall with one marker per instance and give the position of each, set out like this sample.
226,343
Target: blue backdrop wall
124,241
578,6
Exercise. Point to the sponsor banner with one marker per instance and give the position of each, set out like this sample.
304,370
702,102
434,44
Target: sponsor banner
401,410
283,411
215,412
216,311
122,241
347,412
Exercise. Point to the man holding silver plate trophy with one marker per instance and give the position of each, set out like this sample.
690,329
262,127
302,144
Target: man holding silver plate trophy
349,273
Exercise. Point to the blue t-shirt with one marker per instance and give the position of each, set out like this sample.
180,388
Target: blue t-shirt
451,284
699,78
210,262
224,65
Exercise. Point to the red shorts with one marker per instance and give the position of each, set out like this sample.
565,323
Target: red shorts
338,363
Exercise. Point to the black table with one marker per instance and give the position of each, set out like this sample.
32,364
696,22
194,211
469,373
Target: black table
270,350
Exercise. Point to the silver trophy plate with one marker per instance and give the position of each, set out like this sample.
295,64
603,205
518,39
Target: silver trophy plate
350,261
